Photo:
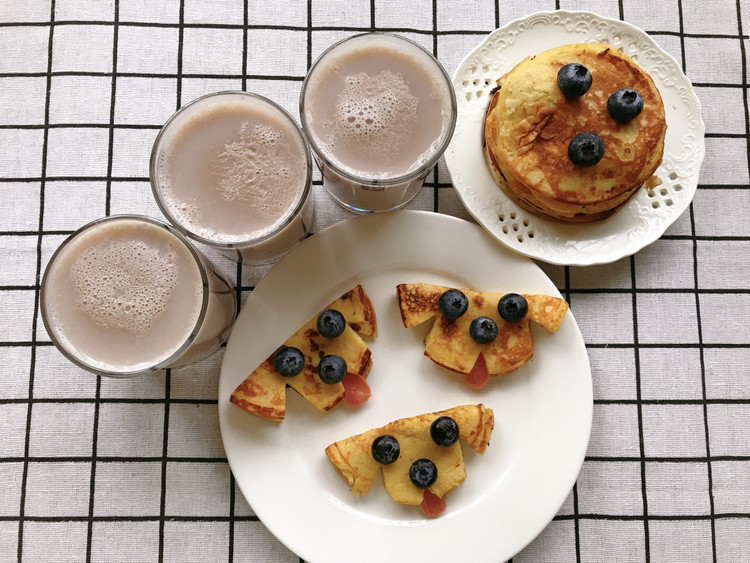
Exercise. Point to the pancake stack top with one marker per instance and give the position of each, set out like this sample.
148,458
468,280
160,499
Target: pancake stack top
530,123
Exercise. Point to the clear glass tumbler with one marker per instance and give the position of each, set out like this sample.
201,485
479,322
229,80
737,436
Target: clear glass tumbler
232,170
378,111
128,295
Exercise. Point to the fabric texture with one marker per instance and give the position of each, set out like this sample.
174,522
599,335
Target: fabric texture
134,470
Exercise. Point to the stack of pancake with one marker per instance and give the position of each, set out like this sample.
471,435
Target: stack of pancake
530,123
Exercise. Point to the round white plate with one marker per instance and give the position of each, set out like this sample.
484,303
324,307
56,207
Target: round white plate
543,411
648,214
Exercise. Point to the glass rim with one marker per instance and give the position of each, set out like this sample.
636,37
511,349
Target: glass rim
239,245
166,362
396,180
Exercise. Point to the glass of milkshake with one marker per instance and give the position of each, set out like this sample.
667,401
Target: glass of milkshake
232,170
128,295
378,111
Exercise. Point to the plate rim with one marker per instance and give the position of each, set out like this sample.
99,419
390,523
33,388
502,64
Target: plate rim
584,256
227,380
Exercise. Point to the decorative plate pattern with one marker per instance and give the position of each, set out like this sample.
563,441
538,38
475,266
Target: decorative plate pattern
648,214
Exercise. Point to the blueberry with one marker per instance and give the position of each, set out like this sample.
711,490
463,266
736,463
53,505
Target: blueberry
332,369
453,303
331,323
444,431
385,449
574,80
423,473
624,105
289,361
512,307
586,149
483,330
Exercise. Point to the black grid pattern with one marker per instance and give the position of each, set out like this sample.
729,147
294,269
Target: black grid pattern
94,469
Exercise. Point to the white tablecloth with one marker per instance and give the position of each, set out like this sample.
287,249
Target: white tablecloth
109,470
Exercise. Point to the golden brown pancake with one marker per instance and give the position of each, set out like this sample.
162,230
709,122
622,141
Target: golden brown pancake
530,123
449,344
263,392
353,461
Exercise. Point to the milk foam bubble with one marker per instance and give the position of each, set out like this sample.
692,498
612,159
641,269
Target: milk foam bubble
254,168
122,285
377,112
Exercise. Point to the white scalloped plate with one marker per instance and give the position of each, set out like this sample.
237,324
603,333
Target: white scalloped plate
648,214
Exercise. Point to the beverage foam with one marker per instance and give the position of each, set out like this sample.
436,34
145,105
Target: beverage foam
232,172
376,108
122,295
124,285
377,112
253,169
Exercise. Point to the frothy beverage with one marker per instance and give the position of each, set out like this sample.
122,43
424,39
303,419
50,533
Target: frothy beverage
126,295
233,170
378,111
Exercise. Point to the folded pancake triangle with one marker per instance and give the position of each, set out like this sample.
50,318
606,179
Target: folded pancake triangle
263,392
353,461
449,343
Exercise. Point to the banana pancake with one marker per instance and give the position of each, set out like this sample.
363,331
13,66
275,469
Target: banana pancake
263,392
354,458
530,123
449,342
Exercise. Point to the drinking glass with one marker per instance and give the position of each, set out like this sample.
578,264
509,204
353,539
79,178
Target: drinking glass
378,111
232,170
127,295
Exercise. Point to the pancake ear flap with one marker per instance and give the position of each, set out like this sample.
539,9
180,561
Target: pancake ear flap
418,302
546,310
358,310
352,459
262,393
